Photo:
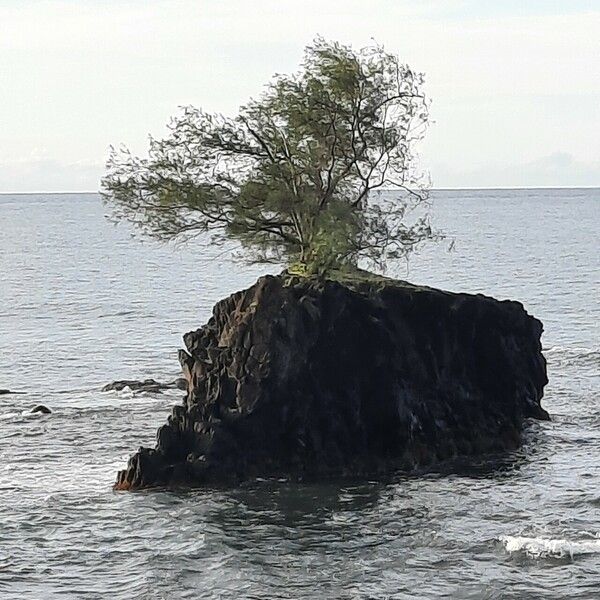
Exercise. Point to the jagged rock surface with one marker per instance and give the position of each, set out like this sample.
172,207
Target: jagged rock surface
312,379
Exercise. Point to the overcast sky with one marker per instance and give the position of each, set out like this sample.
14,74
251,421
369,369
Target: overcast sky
515,84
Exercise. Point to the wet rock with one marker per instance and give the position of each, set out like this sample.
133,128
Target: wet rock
309,379
147,385
40,408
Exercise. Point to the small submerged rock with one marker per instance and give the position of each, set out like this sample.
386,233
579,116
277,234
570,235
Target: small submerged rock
40,408
312,379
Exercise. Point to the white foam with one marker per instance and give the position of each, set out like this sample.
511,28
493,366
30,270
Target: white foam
32,415
128,393
10,415
544,547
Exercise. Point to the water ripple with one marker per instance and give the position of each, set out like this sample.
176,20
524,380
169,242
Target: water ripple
95,306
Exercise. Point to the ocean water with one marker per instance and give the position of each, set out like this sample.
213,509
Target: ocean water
82,304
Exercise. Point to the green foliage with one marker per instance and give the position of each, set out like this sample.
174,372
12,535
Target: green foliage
292,177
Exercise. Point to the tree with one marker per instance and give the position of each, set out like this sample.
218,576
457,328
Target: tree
293,177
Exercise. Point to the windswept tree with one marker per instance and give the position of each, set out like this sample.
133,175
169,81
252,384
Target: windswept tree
292,176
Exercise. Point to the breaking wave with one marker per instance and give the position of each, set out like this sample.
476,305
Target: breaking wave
544,547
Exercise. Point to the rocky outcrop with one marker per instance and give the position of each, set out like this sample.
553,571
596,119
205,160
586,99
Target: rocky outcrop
147,385
309,379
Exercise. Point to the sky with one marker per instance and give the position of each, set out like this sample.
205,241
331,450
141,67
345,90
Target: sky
514,84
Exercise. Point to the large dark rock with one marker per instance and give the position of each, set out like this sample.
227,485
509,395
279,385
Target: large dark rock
312,379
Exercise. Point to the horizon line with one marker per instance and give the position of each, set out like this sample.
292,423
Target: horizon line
433,189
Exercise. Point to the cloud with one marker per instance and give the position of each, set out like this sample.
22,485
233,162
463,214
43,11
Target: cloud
48,175
559,169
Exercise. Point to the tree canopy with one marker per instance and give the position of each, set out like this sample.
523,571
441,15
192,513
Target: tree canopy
294,175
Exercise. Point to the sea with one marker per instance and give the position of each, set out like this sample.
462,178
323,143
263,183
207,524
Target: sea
84,302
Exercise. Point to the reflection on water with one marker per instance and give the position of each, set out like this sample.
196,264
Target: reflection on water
82,304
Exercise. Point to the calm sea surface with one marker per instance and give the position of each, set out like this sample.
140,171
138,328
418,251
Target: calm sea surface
81,304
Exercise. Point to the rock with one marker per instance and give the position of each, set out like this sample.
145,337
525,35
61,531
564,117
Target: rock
311,380
180,383
6,392
147,385
40,408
